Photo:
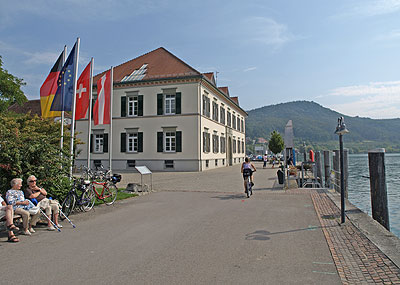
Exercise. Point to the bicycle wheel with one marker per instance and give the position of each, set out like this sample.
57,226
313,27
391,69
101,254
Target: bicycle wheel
68,205
248,188
87,199
110,194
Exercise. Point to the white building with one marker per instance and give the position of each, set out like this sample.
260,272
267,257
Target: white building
167,116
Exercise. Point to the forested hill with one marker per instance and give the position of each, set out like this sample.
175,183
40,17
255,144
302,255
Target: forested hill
316,124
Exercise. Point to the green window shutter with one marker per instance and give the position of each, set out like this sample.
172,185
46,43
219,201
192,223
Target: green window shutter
123,142
160,104
123,106
91,143
105,143
178,103
160,141
93,102
140,142
140,105
178,141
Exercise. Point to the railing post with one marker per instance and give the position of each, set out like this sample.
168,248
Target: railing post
335,159
318,163
327,167
379,202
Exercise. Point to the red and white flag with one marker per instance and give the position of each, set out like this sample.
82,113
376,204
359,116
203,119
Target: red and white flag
82,93
101,115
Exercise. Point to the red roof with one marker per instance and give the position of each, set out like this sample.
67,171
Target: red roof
235,99
210,77
156,64
224,89
32,106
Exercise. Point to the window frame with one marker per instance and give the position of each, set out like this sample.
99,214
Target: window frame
170,141
128,135
170,103
98,143
134,101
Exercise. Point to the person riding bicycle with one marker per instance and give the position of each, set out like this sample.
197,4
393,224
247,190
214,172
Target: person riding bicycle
247,169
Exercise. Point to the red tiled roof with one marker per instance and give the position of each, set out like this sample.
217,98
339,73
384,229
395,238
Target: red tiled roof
210,77
32,106
235,99
224,89
160,64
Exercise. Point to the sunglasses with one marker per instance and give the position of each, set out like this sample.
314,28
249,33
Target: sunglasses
32,181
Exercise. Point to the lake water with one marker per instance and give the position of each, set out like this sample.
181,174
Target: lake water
359,188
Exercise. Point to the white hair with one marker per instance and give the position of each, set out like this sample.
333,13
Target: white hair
30,177
15,181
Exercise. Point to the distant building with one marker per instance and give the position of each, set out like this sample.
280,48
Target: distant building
32,106
168,117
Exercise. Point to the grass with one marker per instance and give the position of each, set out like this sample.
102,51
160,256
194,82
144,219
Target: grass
120,196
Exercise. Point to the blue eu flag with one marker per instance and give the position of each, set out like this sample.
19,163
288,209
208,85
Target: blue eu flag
65,90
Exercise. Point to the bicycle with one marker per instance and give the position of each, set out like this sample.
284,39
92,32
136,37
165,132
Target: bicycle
249,187
108,186
85,201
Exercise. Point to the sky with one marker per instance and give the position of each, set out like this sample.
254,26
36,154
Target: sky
342,54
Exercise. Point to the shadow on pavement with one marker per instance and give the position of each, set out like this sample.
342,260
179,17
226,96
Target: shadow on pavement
230,197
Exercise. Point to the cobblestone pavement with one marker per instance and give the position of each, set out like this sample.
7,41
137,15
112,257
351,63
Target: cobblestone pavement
358,260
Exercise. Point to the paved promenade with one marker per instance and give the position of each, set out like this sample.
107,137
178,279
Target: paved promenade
199,228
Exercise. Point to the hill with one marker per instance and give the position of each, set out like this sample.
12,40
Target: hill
316,124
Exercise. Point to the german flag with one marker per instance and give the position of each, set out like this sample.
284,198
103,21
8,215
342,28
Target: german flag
49,88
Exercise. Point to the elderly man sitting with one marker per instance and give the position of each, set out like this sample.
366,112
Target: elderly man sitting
21,206
50,206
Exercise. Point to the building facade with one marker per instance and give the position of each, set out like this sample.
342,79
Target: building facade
166,116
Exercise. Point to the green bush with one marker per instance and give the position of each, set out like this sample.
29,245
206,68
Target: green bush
30,145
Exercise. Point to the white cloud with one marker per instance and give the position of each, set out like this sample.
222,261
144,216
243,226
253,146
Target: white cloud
376,100
266,31
370,8
250,69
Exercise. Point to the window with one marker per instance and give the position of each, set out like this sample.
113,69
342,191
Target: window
169,164
228,118
215,111
169,104
133,142
242,125
222,115
238,124
215,143
222,144
242,147
223,161
238,146
131,163
233,121
206,106
98,143
169,142
97,163
216,162
207,163
206,142
234,160
234,146
133,106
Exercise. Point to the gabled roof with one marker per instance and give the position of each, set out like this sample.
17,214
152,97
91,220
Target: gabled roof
235,99
224,89
210,77
156,64
32,106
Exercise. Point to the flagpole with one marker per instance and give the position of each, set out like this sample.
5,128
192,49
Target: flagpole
111,105
62,113
90,111
74,103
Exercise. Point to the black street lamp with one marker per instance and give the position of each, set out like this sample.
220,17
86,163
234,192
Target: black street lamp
341,130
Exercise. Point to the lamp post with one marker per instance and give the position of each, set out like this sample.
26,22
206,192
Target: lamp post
341,130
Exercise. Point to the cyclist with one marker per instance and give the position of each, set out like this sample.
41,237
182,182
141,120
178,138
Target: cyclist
247,169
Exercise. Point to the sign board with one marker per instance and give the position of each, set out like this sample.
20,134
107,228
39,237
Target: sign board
143,169
259,148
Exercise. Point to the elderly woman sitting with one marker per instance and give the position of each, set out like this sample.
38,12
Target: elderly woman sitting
8,212
21,206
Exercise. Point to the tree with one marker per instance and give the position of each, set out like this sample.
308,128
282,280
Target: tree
30,145
10,89
276,143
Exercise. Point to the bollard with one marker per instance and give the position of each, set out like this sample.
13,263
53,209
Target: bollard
379,202
335,159
318,164
327,167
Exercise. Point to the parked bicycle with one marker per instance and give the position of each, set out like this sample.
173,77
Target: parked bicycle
109,190
79,196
